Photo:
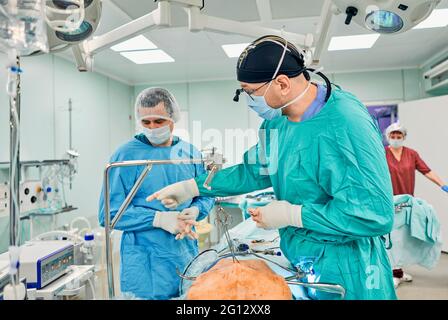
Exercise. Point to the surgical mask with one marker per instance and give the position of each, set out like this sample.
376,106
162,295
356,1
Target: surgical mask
260,106
159,135
396,143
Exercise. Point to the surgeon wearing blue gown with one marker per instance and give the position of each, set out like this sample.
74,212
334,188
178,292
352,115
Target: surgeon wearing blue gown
150,252
322,153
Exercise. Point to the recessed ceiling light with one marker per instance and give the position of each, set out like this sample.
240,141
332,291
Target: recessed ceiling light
437,19
147,56
364,41
137,43
234,50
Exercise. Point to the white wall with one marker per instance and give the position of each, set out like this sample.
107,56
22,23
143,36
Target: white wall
383,85
426,122
101,121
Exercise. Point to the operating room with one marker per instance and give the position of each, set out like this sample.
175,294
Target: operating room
151,149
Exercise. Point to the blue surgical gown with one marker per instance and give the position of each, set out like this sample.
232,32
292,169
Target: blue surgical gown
149,255
333,164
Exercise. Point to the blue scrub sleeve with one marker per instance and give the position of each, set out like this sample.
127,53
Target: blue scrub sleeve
135,218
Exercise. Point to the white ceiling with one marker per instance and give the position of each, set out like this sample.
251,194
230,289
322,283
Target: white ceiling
199,56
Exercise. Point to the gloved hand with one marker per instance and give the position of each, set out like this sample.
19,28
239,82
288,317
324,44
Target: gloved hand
187,231
277,214
174,195
445,188
168,221
189,213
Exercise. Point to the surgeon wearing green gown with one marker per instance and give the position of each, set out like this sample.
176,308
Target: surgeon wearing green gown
322,154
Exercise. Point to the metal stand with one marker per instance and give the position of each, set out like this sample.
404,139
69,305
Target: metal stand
14,151
14,171
70,143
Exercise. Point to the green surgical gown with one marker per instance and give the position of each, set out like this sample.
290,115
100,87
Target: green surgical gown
334,165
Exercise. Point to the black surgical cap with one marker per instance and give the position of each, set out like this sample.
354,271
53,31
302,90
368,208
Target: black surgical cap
258,62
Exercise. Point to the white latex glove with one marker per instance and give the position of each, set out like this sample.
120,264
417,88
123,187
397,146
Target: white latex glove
170,221
189,213
277,214
174,195
188,231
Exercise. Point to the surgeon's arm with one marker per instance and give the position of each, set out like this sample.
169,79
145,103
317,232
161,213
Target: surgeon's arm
360,193
239,179
135,218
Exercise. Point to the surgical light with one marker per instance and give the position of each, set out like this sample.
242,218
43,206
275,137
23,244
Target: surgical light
71,21
81,33
386,16
384,21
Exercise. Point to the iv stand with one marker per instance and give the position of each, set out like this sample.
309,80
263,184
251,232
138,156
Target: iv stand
14,184
14,179
70,142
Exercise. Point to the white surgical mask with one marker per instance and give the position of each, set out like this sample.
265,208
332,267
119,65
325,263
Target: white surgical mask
159,135
396,143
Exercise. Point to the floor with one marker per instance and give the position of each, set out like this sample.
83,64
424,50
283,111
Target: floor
426,284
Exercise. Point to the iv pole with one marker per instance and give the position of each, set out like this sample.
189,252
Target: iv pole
14,162
14,93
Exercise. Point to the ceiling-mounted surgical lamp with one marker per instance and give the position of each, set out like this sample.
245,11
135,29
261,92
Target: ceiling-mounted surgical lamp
71,21
386,16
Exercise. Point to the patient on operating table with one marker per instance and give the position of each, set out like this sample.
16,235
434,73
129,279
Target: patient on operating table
239,280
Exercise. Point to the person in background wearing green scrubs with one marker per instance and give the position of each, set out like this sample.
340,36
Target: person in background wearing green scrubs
322,153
